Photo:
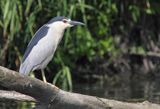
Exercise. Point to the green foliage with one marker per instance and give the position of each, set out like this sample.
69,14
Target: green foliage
16,25
63,78
105,21
20,19
135,11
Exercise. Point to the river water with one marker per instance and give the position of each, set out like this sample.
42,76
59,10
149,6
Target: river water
130,89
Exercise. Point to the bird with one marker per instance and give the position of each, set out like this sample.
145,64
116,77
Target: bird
43,45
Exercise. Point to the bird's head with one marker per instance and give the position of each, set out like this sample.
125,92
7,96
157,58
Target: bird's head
63,22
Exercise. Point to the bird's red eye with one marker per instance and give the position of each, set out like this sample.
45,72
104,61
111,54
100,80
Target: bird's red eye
64,21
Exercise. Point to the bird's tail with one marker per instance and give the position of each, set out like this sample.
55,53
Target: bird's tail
24,69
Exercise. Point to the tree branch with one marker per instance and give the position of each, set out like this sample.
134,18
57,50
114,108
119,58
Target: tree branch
150,54
51,97
12,95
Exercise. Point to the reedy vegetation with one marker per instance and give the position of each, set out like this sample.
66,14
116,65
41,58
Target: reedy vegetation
20,19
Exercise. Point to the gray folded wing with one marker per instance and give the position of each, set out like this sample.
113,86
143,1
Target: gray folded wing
26,66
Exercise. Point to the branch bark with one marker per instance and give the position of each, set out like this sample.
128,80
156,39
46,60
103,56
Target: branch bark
12,95
51,97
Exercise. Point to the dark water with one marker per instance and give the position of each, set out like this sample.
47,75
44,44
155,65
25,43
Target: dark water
125,89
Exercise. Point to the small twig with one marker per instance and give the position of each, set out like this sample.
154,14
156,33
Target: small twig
147,55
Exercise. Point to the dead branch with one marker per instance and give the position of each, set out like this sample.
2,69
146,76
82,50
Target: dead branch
151,55
51,97
12,95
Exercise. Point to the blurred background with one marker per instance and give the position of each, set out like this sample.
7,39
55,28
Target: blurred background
116,55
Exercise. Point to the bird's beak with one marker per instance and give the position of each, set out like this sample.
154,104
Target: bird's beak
74,23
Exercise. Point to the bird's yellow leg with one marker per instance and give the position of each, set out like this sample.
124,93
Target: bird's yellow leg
43,76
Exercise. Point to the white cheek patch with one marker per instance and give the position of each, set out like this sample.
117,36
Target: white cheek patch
69,25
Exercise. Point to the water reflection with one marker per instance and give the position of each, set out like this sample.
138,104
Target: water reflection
130,89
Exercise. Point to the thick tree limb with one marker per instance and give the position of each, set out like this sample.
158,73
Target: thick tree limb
50,97
12,95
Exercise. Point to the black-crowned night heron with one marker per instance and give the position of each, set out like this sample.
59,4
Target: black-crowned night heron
41,48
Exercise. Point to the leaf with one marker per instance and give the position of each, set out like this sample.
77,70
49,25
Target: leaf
57,77
69,78
6,10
